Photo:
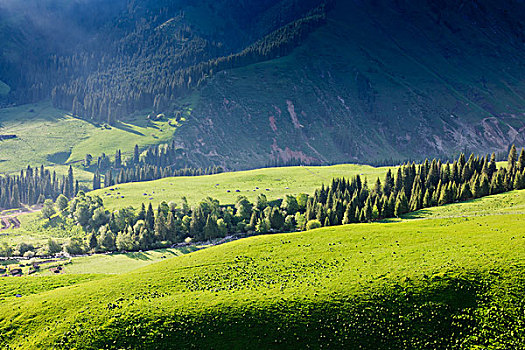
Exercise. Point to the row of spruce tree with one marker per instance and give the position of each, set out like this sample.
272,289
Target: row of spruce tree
344,201
161,156
34,186
156,162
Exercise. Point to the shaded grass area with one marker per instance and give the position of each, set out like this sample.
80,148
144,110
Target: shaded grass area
421,284
354,109
226,187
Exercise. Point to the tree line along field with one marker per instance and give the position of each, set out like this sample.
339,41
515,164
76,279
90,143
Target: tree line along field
343,201
279,181
451,280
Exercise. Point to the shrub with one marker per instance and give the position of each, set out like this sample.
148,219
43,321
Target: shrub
62,203
49,209
313,224
289,223
75,246
5,250
29,254
300,220
223,228
53,247
290,205
22,248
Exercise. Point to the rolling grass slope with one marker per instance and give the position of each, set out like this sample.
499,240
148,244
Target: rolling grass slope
273,182
49,136
444,283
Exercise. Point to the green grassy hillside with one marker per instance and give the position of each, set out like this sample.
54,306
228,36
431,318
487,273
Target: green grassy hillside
444,283
273,182
49,136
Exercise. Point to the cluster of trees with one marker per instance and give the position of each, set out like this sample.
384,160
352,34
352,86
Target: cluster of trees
278,162
155,163
415,187
128,230
28,250
34,186
164,155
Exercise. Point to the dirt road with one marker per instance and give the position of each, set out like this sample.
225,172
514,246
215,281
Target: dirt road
9,219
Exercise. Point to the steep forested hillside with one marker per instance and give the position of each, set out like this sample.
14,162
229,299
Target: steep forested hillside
142,54
280,81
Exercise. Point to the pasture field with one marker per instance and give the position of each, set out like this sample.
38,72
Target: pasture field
98,264
452,280
46,135
78,270
118,263
275,183
37,231
11,287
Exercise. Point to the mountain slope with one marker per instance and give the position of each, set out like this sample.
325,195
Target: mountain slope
416,284
377,81
281,81
115,60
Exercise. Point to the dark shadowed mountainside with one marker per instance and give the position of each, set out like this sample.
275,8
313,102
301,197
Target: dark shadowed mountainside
282,81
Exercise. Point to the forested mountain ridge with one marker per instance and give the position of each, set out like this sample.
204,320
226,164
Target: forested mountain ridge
141,54
282,81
